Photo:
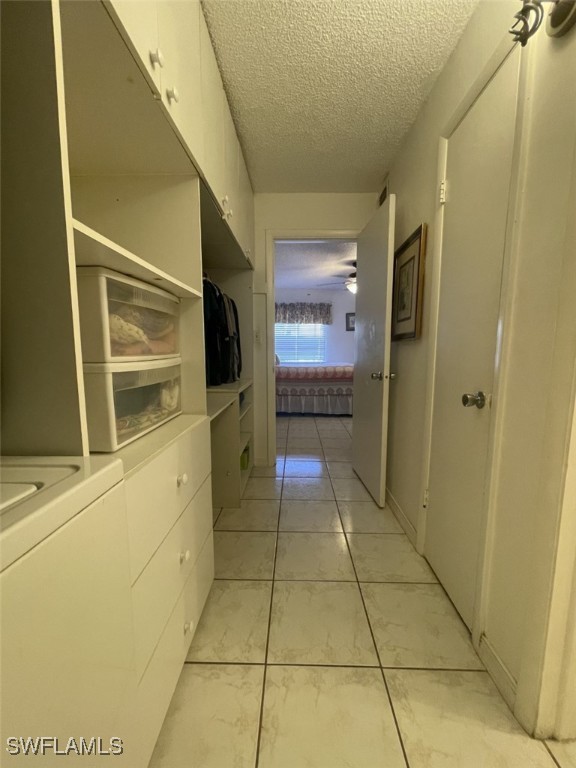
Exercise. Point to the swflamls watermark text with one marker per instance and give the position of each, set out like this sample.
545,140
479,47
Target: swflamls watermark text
53,745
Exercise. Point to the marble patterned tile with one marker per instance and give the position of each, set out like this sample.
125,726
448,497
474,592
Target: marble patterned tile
388,557
338,454
243,555
212,720
304,454
308,489
322,717
337,442
319,622
234,623
341,470
305,469
252,515
314,557
263,488
303,442
313,516
302,431
347,489
367,517
415,625
457,719
564,752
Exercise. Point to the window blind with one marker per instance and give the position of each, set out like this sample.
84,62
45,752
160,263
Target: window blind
300,342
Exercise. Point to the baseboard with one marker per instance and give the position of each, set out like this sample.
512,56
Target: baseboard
409,529
498,672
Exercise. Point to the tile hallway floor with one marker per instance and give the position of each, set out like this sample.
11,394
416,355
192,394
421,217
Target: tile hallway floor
326,641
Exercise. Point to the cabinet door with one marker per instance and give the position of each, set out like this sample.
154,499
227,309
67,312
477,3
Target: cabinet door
231,152
179,40
213,108
245,210
67,638
139,20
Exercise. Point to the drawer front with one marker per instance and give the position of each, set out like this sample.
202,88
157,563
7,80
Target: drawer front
161,582
158,493
153,695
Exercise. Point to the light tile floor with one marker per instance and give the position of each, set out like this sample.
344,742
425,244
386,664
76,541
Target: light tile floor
326,641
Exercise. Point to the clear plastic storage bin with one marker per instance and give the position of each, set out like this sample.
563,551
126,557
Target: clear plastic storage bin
125,319
124,401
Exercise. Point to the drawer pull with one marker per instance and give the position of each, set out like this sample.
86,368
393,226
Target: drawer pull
172,95
184,556
189,626
156,57
182,480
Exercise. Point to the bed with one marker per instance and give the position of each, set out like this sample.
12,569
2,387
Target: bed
312,388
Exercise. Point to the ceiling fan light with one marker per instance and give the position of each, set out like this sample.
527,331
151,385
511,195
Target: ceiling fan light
352,286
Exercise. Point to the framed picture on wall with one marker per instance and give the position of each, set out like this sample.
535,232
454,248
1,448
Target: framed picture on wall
350,321
408,288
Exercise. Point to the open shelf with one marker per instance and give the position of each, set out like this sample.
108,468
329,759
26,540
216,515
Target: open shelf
245,438
236,386
244,477
95,250
217,402
245,409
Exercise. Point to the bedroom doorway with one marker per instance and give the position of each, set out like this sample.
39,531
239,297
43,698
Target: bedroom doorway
314,312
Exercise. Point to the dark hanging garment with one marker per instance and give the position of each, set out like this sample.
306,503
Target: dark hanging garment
238,344
215,333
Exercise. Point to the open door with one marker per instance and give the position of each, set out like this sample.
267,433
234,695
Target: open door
375,257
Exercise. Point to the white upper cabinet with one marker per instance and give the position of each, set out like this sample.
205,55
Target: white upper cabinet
231,150
140,21
213,100
179,37
243,225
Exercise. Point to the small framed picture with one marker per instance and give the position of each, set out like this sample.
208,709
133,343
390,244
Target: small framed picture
408,289
350,321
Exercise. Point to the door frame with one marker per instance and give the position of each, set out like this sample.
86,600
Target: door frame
270,264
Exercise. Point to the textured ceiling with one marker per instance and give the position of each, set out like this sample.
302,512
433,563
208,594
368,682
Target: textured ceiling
322,265
322,91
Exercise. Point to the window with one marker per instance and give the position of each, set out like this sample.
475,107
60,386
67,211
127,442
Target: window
300,342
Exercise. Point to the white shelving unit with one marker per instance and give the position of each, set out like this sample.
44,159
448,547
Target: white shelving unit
231,430
93,249
100,169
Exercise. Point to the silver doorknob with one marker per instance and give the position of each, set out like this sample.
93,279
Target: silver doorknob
378,376
477,398
391,376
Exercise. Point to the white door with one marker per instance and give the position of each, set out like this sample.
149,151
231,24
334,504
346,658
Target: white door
478,174
375,257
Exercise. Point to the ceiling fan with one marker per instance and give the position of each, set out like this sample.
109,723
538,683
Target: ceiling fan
348,281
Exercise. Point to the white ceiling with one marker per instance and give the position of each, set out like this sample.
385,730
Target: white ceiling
321,265
322,91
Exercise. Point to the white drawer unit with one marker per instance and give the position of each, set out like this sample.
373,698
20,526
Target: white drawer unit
126,400
159,491
157,587
157,685
122,319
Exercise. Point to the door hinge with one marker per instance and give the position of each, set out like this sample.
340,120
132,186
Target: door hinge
442,192
426,499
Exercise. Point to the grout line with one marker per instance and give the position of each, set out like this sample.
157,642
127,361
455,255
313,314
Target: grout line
261,715
375,647
552,755
395,719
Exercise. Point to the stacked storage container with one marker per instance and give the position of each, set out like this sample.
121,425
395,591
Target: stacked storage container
130,350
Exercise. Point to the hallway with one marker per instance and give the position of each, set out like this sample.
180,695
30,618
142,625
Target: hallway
326,641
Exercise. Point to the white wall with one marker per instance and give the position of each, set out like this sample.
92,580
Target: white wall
339,341
536,396
285,215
